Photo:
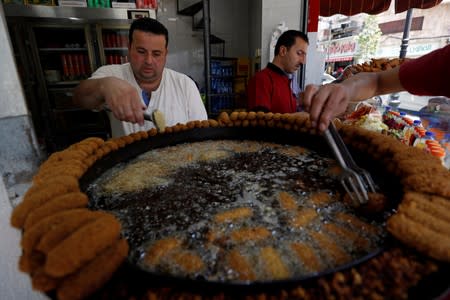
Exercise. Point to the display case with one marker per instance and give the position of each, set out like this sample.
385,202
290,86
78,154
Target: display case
66,55
55,48
113,45
53,57
222,75
227,85
23,56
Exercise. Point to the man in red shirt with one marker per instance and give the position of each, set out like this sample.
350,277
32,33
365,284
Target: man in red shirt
270,89
426,75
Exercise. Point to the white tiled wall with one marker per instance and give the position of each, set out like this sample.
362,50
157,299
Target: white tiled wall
229,21
18,147
272,13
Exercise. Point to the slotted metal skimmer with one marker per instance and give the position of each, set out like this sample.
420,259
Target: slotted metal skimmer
356,180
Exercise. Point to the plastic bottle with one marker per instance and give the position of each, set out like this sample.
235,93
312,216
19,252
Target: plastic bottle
408,130
445,142
417,131
385,114
389,117
65,67
421,141
435,149
400,121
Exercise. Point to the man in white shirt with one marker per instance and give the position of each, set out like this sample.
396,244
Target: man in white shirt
143,84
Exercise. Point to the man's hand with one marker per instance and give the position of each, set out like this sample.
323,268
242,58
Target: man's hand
123,100
324,103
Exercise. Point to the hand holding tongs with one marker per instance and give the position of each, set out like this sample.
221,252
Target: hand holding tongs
356,181
156,117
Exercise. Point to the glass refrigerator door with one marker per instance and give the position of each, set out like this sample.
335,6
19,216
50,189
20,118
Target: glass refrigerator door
223,72
65,54
113,44
20,35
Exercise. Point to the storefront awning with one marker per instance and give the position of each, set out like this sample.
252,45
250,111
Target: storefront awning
373,7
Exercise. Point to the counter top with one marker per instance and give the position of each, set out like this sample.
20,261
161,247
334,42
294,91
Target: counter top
14,285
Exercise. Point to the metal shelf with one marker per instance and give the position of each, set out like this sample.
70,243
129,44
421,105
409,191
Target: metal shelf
71,13
61,49
116,49
63,83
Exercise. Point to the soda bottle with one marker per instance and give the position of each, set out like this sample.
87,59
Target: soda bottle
416,132
421,141
408,130
445,142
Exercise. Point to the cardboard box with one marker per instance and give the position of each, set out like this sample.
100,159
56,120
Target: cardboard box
72,3
240,85
41,2
123,4
243,66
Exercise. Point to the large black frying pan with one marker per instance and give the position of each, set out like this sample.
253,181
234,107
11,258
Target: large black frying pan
280,136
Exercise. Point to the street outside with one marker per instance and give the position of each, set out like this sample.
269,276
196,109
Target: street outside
412,102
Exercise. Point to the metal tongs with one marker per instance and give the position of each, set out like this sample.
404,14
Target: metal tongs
356,181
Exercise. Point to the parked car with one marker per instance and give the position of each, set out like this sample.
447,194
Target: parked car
327,78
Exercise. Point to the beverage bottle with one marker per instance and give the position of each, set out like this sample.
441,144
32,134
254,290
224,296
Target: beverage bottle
65,67
76,66
82,64
400,121
387,116
416,132
87,64
408,130
391,118
421,141
445,142
435,149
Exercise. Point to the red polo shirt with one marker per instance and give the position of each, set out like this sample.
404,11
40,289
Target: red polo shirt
428,74
270,90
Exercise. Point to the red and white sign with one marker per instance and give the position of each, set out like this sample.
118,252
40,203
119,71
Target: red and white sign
340,50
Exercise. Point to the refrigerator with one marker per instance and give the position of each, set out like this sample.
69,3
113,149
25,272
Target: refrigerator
53,55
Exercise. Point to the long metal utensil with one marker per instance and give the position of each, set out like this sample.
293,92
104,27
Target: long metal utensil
355,180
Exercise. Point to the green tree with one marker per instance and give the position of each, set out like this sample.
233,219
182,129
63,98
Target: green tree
368,39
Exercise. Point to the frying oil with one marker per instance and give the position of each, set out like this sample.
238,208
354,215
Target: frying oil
191,184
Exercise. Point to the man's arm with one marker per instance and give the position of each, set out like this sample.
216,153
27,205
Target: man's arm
120,97
88,95
327,101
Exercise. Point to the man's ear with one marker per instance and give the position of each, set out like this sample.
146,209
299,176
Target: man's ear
283,50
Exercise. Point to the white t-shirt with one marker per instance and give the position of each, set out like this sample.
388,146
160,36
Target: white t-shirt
177,97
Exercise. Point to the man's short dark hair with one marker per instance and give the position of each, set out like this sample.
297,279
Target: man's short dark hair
148,25
287,39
